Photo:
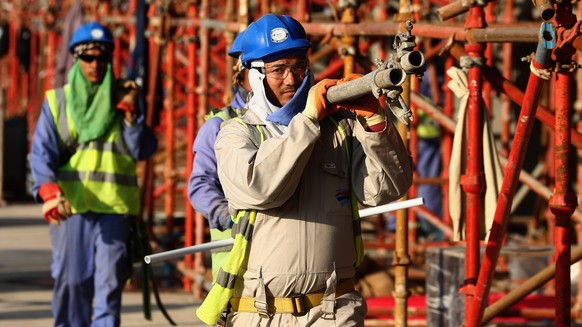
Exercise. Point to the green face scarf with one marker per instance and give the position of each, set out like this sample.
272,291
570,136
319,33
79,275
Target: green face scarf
90,105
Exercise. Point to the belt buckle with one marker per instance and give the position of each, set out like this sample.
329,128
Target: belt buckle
328,309
299,306
262,309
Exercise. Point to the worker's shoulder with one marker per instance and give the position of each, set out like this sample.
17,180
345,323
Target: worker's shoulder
54,90
246,118
224,113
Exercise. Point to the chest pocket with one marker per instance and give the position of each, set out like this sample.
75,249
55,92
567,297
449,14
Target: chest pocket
334,138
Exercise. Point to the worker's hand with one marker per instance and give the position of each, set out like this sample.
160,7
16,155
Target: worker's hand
56,207
365,106
317,106
127,94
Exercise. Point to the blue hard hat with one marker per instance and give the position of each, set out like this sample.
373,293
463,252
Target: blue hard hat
236,47
91,32
271,37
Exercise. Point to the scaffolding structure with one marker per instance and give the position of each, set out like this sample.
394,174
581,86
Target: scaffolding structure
188,72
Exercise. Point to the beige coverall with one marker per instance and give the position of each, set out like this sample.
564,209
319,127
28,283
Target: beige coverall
303,239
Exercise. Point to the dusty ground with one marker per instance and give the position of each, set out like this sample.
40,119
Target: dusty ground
25,282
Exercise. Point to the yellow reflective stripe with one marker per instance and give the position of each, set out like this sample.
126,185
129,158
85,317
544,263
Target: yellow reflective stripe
261,132
224,113
258,127
217,299
355,212
344,137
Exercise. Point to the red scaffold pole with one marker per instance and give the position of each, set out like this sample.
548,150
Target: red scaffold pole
523,130
191,134
563,202
473,181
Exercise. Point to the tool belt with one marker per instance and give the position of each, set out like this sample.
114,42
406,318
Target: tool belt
297,304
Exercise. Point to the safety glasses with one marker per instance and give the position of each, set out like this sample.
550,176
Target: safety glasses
90,58
281,71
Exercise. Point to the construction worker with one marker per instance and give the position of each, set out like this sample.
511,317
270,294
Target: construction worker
204,189
429,165
83,161
294,169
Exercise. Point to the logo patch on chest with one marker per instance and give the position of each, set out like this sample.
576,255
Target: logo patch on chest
328,165
343,197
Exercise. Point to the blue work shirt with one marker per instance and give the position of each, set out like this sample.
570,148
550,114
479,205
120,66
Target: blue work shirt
204,189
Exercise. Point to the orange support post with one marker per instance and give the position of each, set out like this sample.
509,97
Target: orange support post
191,130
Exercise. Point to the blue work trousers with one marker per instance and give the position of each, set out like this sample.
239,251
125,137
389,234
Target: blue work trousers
89,261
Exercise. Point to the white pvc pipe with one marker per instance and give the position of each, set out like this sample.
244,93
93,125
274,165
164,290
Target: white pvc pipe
391,207
152,258
188,250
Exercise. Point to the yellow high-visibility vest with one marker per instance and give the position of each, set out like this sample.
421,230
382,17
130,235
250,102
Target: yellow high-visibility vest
100,175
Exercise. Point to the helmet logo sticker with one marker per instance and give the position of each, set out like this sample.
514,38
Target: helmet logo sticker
97,33
279,35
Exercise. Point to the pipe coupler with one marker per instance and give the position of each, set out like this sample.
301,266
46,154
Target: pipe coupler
546,9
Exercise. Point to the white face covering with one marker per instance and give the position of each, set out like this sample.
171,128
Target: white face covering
276,118
260,105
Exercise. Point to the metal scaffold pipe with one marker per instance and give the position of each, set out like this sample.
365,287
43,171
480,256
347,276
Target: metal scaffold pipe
515,32
385,79
457,8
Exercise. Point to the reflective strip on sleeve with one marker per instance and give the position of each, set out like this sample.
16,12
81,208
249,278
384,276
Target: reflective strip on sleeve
225,279
244,227
63,122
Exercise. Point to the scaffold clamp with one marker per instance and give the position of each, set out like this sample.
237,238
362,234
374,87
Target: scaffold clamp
393,96
400,109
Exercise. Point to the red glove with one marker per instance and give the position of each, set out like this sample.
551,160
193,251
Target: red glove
317,106
127,94
55,207
364,106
